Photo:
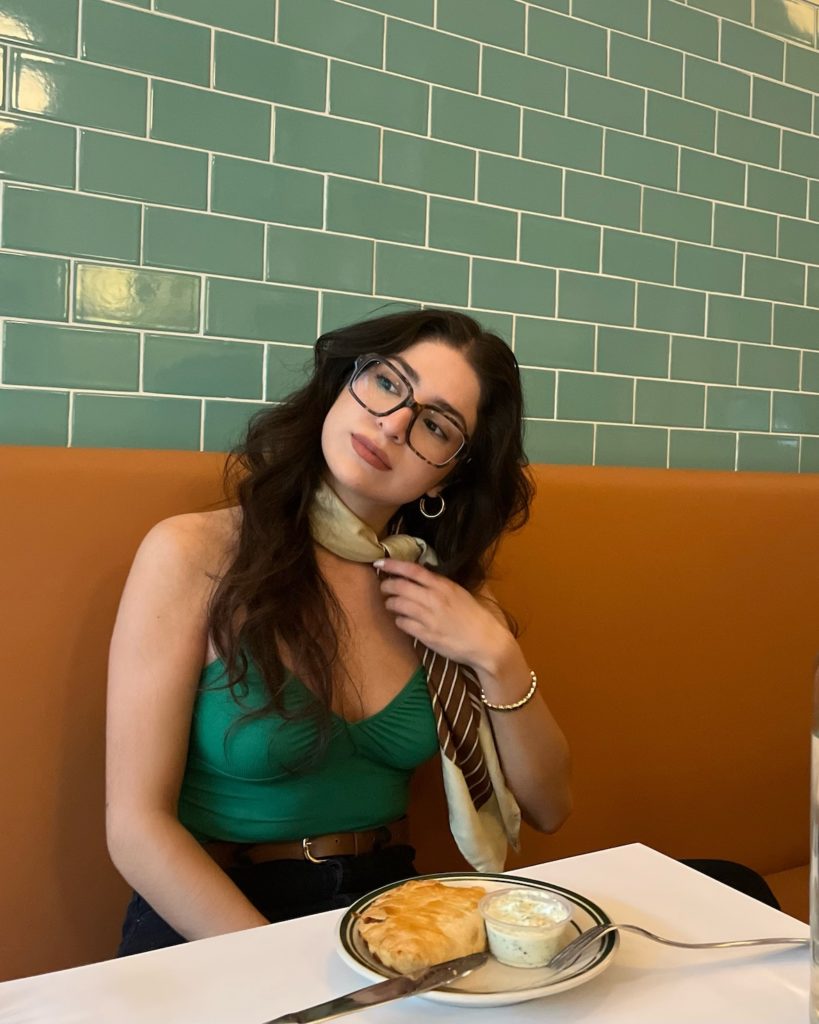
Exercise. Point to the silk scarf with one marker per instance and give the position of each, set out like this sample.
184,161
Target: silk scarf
483,815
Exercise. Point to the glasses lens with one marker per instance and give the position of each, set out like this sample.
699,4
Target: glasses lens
378,388
435,437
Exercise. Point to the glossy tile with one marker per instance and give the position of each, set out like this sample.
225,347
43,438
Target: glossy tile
768,454
557,140
44,355
712,176
37,152
146,42
665,403
739,319
633,353
518,79
250,17
266,312
108,421
744,139
559,443
602,101
749,49
320,259
702,449
245,188
717,86
430,166
642,160
737,409
327,27
676,310
472,228
80,93
629,254
626,15
202,242
503,22
288,368
432,57
644,63
763,366
41,24
684,28
793,19
598,199
783,105
33,417
630,446
519,184
192,366
595,397
559,243
136,298
745,230
597,299
780,280
326,144
149,171
777,192
538,392
210,120
265,71
474,121
388,100
675,120
33,286
338,310
676,216
796,326
802,67
377,211
514,287
410,273
67,224
705,360
226,423
709,269
554,343
567,41
798,240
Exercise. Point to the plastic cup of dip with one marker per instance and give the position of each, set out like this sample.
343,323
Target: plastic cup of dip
524,927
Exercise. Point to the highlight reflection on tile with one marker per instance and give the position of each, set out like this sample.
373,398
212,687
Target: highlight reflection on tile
140,298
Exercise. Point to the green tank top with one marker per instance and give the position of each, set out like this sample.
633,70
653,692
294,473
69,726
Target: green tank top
240,783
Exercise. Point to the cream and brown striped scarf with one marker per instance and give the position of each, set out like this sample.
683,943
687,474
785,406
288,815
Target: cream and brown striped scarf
483,815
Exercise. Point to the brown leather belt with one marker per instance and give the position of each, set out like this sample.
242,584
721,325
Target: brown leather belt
314,849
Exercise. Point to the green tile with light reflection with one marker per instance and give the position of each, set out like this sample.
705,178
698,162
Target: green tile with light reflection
37,152
136,298
767,454
795,414
41,24
77,92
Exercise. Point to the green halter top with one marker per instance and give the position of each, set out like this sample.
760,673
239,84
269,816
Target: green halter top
240,783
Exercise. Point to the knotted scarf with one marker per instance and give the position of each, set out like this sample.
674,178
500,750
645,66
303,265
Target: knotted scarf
483,814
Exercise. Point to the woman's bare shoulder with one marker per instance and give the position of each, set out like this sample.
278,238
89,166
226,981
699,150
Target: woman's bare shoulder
193,543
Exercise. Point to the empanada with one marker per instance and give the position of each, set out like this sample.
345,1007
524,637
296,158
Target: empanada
423,922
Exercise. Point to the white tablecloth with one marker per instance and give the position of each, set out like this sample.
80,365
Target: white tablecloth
250,977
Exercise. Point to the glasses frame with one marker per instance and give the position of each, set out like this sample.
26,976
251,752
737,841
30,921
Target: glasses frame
409,403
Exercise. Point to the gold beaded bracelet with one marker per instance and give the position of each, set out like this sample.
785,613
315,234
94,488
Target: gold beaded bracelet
517,704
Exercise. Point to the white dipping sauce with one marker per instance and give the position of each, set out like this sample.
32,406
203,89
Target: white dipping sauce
524,927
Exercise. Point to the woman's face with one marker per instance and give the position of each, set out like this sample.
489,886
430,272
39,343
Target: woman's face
369,464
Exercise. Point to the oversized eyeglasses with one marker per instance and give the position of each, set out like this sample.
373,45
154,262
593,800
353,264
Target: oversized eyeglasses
381,389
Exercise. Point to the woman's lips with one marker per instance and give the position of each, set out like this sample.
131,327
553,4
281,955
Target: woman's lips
369,453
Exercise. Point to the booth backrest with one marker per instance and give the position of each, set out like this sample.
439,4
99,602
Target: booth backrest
670,617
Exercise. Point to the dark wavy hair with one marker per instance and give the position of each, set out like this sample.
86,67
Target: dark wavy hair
273,598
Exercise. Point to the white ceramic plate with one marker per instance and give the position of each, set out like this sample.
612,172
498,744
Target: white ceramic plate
494,984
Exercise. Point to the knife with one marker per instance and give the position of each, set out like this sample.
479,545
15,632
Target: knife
385,991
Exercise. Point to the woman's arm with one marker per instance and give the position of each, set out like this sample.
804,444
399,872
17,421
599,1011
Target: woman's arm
472,631
156,657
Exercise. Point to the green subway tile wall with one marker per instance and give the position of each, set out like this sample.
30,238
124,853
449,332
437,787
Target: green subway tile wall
626,190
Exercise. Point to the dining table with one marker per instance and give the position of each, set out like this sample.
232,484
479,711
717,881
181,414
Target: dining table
252,976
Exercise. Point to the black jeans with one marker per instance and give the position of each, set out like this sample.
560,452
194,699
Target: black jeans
281,890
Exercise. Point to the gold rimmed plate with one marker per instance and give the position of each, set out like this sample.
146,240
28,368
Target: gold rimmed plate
494,984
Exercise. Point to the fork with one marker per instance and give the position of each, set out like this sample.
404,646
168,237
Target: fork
571,953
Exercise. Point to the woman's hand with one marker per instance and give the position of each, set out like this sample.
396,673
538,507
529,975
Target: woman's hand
443,615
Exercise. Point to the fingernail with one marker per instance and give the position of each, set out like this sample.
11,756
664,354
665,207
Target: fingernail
379,563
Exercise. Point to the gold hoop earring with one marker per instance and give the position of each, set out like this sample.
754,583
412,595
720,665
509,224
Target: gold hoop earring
422,505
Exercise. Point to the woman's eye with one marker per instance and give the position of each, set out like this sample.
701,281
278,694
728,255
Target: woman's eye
436,429
386,384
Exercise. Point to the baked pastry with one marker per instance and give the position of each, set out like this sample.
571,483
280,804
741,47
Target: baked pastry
423,922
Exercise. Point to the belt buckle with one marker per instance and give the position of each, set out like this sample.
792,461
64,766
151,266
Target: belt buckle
305,849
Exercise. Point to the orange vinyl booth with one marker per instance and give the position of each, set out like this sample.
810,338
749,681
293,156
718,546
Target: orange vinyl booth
670,617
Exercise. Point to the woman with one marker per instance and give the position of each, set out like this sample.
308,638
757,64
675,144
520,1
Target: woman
267,704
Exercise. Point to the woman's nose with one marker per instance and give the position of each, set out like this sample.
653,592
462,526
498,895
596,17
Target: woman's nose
396,424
